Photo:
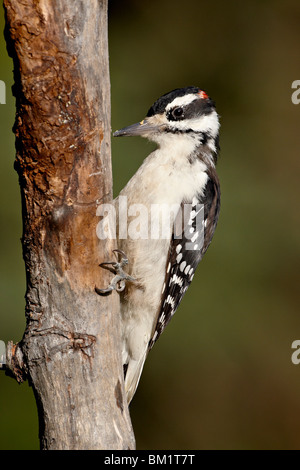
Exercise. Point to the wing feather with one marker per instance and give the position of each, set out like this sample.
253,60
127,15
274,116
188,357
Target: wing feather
192,234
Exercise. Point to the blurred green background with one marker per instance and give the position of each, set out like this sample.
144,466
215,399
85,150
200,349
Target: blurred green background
221,376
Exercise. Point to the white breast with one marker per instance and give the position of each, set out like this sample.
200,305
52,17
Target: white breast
167,176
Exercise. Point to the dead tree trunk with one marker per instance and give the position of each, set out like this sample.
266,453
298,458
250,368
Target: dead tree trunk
70,350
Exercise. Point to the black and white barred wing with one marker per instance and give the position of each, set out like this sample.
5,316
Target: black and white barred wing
192,234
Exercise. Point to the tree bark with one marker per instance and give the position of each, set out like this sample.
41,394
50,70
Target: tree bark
70,351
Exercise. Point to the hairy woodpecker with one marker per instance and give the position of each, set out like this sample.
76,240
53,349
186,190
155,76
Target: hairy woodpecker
180,173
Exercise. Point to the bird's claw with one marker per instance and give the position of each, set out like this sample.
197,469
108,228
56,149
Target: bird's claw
116,267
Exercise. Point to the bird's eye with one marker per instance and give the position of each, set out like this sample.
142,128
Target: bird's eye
177,112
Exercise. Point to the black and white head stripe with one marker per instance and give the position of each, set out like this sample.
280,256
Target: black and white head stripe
189,107
182,262
161,104
186,110
191,100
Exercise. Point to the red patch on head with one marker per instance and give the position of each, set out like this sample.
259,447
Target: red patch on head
202,94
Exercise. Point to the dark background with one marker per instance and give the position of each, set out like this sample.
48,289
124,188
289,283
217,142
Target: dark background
221,376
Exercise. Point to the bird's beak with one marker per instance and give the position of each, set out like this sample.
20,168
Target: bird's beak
143,128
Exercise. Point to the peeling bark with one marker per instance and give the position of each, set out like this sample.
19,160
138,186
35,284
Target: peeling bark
70,350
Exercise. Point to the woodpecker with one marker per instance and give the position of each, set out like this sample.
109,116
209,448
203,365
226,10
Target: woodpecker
180,173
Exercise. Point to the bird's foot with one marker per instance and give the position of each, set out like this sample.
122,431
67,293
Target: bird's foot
116,267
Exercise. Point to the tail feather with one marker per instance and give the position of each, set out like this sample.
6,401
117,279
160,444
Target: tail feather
133,375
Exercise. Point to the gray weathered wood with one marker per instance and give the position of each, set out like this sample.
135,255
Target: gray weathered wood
70,351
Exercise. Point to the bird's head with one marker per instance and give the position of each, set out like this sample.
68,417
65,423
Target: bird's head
188,113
